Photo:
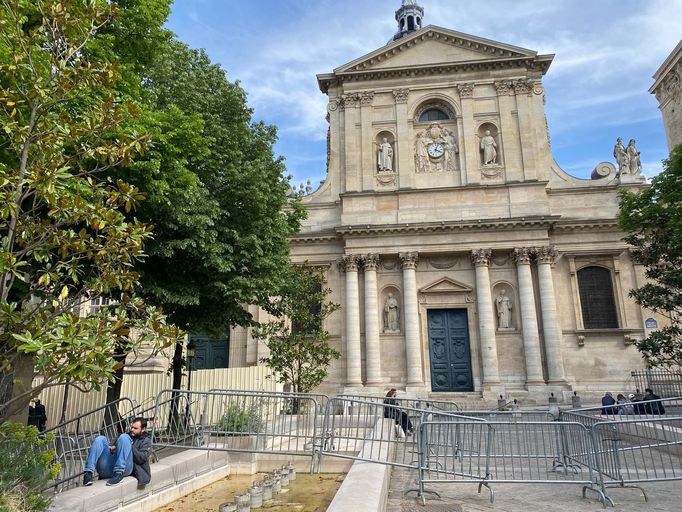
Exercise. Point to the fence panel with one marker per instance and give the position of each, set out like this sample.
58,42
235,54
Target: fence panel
642,410
239,421
666,383
71,440
637,451
485,452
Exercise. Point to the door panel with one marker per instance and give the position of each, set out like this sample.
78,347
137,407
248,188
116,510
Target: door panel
449,350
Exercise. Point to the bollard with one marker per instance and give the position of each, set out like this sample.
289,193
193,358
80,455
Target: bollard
230,506
276,485
256,493
292,472
284,477
243,502
267,489
553,406
575,401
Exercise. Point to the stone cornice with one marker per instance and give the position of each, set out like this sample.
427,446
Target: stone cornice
539,64
586,225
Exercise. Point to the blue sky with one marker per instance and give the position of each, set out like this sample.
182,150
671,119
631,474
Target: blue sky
597,87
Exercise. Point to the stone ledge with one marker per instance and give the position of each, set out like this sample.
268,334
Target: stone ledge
366,484
174,476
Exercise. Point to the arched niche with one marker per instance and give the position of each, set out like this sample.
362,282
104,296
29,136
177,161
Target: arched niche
391,304
385,155
505,305
490,154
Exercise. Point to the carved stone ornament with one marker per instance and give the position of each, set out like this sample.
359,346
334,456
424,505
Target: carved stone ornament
504,88
334,104
435,150
366,98
466,90
401,95
385,179
673,84
443,262
351,100
481,257
538,88
371,262
523,87
349,263
547,254
409,260
523,255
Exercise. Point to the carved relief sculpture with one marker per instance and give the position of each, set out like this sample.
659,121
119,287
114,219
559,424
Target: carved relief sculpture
385,156
504,308
435,149
391,315
489,149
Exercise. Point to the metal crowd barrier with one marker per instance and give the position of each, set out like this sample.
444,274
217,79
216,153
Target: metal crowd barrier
485,453
71,440
238,421
637,451
641,410
413,403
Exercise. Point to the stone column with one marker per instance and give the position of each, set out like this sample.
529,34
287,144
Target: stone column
509,131
334,118
402,145
352,307
412,345
352,142
372,343
523,90
529,319
471,142
550,323
369,152
486,317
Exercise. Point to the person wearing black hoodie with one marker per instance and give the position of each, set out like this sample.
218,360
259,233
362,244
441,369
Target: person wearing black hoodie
128,455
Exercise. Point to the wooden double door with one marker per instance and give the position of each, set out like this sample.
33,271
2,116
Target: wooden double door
449,350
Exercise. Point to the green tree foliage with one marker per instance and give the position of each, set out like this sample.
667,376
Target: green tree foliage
26,466
67,232
299,350
653,219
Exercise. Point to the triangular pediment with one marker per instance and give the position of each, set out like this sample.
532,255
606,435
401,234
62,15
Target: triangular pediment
446,285
432,46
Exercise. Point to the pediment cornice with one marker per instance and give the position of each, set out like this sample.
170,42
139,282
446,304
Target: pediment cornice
446,285
493,56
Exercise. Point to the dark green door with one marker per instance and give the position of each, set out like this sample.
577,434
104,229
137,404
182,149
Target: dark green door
449,350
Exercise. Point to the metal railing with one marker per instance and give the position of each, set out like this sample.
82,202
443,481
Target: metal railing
413,403
486,452
239,421
666,383
590,416
71,440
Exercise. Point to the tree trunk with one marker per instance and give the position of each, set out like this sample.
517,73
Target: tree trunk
174,414
111,415
20,380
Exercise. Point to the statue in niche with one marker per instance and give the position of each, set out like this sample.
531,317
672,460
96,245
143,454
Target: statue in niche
391,315
634,162
451,150
385,158
621,156
489,149
504,308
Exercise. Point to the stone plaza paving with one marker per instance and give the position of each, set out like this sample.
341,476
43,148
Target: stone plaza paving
663,496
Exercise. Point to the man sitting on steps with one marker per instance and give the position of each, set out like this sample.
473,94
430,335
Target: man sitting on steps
127,455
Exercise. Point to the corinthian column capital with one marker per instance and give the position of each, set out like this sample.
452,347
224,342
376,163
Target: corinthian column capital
523,255
547,254
409,260
481,257
371,261
349,263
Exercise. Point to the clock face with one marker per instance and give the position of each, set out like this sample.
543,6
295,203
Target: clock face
436,150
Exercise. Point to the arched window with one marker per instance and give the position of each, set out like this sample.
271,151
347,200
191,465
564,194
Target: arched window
433,114
596,298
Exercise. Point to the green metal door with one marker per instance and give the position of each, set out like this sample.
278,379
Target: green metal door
449,350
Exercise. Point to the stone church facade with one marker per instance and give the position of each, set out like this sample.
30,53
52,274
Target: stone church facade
464,258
